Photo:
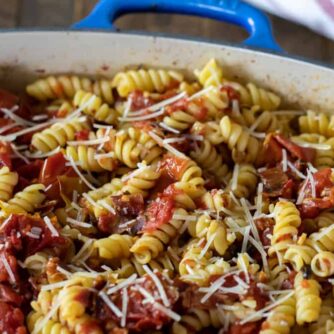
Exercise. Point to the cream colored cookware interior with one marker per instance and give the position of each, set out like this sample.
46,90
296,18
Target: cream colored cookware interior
27,55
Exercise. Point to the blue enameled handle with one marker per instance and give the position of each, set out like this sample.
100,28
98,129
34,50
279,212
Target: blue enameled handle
232,11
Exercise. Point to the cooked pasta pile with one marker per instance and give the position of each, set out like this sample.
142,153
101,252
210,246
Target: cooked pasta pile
148,203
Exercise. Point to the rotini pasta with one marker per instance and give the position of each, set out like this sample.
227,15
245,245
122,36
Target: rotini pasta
57,135
93,105
308,302
8,181
54,87
149,81
149,203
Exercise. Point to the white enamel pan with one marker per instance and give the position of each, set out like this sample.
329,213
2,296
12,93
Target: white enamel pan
93,47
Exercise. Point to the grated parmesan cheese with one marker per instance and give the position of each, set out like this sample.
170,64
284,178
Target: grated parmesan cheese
122,284
168,147
158,284
78,223
284,160
235,177
110,304
8,268
159,105
76,169
125,301
168,128
267,308
207,246
50,226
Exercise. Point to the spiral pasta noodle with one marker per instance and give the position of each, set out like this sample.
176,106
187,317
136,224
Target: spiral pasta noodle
24,201
196,320
243,146
209,130
308,302
150,245
86,157
246,181
210,75
281,319
8,181
93,105
57,135
208,158
252,95
191,181
323,264
142,182
287,220
299,255
145,80
318,124
54,87
115,246
324,323
212,229
150,203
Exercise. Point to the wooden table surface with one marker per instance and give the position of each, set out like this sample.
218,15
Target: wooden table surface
295,39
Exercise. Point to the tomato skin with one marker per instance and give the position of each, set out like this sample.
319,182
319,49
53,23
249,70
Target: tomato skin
14,234
5,152
159,212
11,319
303,153
232,93
139,101
82,135
7,99
173,166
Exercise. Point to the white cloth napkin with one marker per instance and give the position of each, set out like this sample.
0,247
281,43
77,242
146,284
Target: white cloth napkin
318,15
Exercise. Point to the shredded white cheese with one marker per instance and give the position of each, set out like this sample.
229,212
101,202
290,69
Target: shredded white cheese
50,226
122,284
110,304
78,223
158,284
284,160
268,307
168,128
8,268
76,169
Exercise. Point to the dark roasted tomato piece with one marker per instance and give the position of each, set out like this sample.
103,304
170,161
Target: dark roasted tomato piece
11,319
55,172
8,295
127,208
141,317
265,227
14,232
107,223
53,166
181,104
274,180
303,153
139,101
159,212
7,99
324,191
275,143
5,153
82,134
173,166
10,259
